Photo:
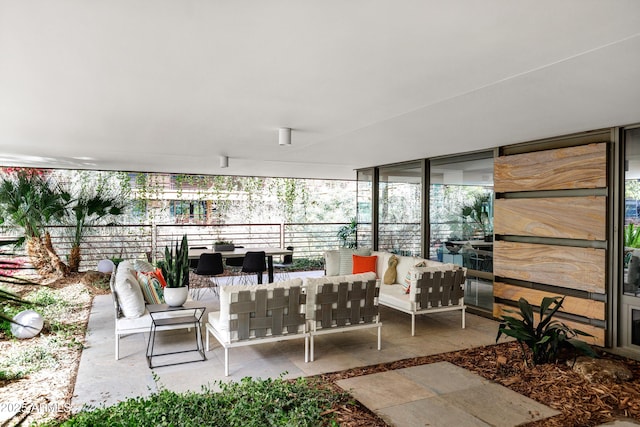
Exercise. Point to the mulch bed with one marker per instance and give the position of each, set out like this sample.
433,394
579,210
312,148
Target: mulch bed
580,402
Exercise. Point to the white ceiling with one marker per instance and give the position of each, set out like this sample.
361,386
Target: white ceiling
166,85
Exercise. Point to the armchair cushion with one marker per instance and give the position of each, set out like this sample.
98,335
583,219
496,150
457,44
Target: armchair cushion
128,291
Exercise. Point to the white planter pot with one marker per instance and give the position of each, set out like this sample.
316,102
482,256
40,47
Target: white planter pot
175,297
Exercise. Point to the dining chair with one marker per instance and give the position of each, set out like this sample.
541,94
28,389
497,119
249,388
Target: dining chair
193,263
234,264
209,266
281,269
254,263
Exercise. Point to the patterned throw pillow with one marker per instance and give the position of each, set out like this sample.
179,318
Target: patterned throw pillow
151,287
407,280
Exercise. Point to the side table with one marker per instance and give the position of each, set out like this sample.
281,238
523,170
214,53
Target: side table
163,318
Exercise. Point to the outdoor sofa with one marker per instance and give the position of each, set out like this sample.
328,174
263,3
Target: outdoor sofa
294,309
421,286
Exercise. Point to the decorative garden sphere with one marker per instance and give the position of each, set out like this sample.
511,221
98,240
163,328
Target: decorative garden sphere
30,324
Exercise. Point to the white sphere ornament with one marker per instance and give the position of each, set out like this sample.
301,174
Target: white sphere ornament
106,266
29,324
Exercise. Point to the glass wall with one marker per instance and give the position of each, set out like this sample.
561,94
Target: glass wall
461,220
629,333
632,212
400,208
364,229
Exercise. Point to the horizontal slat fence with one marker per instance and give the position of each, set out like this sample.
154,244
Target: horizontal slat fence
310,240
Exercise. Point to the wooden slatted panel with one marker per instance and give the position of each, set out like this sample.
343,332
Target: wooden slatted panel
563,266
583,166
598,333
578,306
561,217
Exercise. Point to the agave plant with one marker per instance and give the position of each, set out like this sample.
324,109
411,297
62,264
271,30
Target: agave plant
175,265
548,337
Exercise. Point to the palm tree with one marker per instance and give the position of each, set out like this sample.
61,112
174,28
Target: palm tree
31,202
88,210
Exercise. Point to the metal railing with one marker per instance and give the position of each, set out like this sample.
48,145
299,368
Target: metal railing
310,240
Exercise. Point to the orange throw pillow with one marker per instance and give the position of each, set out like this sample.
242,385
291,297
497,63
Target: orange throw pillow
364,264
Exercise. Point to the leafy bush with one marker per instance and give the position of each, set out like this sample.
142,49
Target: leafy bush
548,337
307,264
631,236
246,403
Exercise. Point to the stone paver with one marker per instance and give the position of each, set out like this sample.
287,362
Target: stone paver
442,394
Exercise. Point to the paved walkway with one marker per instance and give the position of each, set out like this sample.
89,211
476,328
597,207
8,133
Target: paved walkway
442,394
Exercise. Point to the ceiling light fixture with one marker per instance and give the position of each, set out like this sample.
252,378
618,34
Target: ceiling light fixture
224,161
284,136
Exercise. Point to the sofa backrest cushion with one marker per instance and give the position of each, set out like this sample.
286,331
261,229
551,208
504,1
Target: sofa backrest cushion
346,259
128,291
332,263
405,263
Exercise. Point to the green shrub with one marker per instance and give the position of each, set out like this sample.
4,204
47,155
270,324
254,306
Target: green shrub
307,264
546,339
244,404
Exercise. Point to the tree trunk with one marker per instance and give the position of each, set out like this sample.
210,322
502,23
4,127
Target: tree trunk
44,257
74,259
60,267
39,257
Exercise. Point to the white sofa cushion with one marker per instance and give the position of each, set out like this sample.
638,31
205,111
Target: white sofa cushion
395,296
346,259
405,263
128,291
332,263
311,285
142,322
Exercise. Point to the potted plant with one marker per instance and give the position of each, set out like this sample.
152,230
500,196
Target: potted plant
175,269
477,215
223,245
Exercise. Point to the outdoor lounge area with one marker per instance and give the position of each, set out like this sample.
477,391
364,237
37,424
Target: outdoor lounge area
103,380
484,156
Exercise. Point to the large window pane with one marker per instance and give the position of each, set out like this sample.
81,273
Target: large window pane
461,221
632,213
400,208
364,231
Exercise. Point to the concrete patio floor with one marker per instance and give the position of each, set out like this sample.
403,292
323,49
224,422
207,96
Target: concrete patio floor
102,380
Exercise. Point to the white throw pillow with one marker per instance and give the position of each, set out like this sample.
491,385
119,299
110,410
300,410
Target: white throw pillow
128,291
332,263
346,259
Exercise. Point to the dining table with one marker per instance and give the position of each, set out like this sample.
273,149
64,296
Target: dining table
269,252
